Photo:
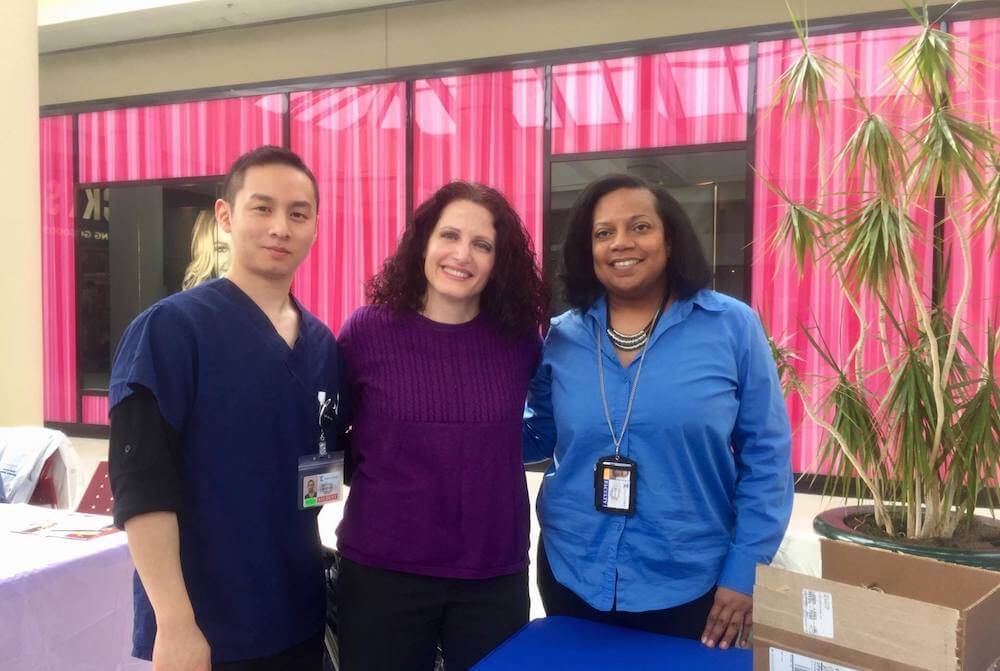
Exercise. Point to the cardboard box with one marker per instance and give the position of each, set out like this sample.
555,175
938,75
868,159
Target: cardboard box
875,610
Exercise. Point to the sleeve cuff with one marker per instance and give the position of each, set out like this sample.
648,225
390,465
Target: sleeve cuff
738,571
144,493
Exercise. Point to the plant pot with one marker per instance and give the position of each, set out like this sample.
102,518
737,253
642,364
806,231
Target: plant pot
831,525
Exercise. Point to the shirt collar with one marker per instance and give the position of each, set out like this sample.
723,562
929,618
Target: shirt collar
706,299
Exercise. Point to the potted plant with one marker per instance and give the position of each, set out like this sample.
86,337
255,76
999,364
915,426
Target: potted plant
919,435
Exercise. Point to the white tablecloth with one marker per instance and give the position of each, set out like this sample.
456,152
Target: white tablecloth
65,605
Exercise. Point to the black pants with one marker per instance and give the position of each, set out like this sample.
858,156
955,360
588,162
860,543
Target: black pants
684,621
306,656
393,621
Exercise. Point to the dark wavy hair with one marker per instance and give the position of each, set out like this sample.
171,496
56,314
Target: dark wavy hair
515,295
687,268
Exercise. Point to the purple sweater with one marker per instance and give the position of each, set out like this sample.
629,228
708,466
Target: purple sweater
438,486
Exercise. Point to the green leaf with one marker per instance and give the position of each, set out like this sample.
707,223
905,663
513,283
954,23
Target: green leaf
805,81
875,149
950,147
925,63
872,240
800,227
986,207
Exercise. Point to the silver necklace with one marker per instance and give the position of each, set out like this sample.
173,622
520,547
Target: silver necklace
617,438
629,342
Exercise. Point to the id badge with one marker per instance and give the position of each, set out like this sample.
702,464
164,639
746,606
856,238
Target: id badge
321,479
614,485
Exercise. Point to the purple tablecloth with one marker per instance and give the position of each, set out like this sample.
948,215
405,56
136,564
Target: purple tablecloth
65,605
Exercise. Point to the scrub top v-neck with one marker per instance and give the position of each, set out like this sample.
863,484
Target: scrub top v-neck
244,404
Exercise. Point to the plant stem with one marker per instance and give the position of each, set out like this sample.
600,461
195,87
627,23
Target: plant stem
923,316
881,516
856,354
963,298
884,337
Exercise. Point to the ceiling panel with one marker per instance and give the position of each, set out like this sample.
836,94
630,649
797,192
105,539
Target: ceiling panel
74,24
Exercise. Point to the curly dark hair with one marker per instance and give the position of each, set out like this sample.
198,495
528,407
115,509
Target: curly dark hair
687,271
515,295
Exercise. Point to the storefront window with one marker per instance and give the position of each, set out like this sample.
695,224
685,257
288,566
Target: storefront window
148,179
354,139
136,245
485,128
794,156
977,97
658,100
58,269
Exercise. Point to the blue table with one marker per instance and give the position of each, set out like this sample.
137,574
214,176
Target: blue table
555,643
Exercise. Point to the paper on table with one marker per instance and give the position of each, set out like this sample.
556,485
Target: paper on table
76,526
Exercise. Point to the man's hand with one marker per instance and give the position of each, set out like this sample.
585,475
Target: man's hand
181,647
731,614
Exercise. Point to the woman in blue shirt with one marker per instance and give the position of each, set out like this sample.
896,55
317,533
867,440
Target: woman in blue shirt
659,403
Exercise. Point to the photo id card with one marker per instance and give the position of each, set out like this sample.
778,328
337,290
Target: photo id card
615,485
320,479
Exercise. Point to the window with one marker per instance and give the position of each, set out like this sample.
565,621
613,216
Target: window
136,245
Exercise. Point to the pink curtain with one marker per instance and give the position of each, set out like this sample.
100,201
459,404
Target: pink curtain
95,410
354,139
485,128
978,98
58,273
181,140
798,159
659,100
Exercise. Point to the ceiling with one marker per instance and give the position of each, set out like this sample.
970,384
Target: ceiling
75,24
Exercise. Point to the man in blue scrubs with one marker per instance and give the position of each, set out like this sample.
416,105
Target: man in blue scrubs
213,403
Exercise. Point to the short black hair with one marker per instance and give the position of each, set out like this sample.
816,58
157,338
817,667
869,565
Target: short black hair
687,270
267,154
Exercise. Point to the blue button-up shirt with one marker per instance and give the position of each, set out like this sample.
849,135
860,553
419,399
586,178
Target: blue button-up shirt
710,436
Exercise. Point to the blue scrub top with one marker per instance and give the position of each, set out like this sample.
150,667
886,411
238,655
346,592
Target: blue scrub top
711,437
245,405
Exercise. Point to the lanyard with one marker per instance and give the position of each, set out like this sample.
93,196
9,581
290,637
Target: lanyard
324,406
617,439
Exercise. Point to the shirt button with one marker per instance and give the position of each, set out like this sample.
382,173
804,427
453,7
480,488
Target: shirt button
127,449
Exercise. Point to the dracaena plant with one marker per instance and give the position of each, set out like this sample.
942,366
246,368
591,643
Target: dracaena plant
925,446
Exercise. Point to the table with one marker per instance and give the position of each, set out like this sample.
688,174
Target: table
557,643
65,605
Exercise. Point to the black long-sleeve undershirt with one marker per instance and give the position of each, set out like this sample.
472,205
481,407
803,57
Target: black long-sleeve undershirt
142,459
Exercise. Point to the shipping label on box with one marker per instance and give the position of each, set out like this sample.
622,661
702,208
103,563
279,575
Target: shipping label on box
783,660
817,613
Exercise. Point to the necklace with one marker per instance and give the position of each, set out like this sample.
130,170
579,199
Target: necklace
629,342
617,438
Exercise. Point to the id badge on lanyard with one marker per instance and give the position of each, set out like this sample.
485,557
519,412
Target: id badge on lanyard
321,476
615,485
616,477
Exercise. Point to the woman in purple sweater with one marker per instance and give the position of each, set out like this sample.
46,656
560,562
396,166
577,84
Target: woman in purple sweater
434,539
